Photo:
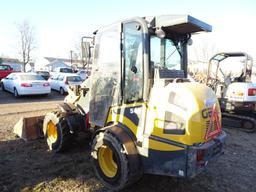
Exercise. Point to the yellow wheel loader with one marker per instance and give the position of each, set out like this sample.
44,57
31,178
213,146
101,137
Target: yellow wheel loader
140,110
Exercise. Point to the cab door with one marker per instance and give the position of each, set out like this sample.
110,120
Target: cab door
133,105
106,74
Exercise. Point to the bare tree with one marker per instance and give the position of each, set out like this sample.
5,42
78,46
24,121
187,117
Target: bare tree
200,53
204,50
27,41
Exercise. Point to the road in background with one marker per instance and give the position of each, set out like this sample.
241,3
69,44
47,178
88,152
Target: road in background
11,105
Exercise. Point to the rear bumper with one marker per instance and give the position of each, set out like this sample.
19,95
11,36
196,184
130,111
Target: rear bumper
200,156
184,163
31,91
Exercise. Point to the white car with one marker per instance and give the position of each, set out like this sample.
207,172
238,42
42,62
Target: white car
83,74
61,81
25,84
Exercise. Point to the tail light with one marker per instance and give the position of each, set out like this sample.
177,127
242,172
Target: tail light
252,92
25,85
66,82
200,154
46,84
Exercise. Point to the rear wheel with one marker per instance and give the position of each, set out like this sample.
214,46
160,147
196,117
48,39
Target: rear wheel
110,162
57,132
15,92
62,92
3,88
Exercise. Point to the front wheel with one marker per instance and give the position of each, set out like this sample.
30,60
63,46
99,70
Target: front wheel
57,132
110,162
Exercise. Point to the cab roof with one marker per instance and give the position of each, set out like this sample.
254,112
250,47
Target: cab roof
223,55
181,24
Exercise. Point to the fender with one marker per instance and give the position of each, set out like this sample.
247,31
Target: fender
129,146
75,120
67,108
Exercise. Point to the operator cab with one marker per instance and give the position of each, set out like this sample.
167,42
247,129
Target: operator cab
132,55
233,66
169,37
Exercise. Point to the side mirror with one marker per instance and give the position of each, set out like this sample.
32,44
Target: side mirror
86,51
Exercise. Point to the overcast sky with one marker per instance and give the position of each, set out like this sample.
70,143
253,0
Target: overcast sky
60,24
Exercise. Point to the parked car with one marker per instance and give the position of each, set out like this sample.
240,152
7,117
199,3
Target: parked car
44,74
26,84
5,70
63,70
61,81
83,74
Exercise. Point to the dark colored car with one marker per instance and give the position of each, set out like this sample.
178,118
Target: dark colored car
44,74
5,70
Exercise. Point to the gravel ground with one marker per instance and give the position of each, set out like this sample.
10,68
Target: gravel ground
29,166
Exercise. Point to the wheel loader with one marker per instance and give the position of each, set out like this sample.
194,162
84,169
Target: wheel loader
229,75
141,113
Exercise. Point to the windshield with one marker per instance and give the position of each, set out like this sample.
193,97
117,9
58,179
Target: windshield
74,78
45,73
31,77
66,70
232,67
165,53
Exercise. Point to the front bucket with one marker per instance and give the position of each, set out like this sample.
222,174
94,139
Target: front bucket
29,128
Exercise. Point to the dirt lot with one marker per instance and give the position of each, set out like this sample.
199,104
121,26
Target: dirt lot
28,166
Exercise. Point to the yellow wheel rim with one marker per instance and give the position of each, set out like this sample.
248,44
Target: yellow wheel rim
52,134
106,161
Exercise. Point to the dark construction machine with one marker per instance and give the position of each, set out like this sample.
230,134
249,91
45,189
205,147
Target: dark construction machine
138,107
229,75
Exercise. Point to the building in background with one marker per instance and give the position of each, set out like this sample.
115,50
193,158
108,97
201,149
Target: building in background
51,63
14,63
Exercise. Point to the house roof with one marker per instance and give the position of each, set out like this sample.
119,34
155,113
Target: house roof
10,60
57,62
52,59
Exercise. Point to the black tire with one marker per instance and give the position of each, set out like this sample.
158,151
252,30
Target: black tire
62,92
2,86
248,126
15,93
119,176
57,132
